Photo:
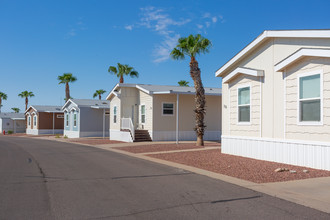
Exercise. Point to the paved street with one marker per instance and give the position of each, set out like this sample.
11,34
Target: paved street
42,179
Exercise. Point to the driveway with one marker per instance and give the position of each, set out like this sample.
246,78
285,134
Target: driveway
41,179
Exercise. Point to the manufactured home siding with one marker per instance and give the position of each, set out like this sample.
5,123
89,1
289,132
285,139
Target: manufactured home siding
147,100
129,99
91,120
307,132
46,121
115,101
253,128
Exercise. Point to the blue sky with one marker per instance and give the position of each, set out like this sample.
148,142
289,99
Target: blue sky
40,40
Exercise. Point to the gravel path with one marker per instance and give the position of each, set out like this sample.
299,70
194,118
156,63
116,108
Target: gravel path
163,147
257,171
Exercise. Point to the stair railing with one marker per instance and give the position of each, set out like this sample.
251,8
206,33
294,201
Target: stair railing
126,123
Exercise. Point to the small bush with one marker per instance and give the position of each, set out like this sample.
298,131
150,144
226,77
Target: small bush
57,136
65,136
10,132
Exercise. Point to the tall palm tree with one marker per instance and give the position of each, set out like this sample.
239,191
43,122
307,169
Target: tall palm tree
3,96
26,95
121,70
66,78
192,46
183,83
99,93
16,110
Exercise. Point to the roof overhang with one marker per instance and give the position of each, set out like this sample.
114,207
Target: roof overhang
28,109
241,70
270,34
18,119
100,107
299,54
67,102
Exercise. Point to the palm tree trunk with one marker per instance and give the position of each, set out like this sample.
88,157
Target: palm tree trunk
0,104
195,74
121,80
99,96
26,102
67,91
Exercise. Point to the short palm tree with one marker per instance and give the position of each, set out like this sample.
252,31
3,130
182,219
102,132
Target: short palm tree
183,83
121,70
192,46
99,93
66,78
16,110
3,96
26,95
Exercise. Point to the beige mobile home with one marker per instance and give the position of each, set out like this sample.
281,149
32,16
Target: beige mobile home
276,99
161,113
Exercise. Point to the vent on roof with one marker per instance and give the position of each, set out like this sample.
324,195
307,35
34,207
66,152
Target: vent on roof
96,104
58,109
211,89
104,103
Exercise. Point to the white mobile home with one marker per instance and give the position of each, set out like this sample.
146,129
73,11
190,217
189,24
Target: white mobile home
14,122
276,99
86,118
162,113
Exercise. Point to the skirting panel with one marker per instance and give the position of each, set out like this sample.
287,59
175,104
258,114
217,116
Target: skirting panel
94,134
43,131
71,134
120,136
301,153
184,135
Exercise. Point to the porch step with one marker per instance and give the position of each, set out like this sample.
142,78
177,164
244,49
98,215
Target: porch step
142,135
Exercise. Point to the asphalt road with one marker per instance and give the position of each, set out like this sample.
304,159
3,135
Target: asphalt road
42,179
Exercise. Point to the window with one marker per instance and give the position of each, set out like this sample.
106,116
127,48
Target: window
29,121
34,121
310,98
67,119
168,108
115,114
143,114
75,119
59,116
244,106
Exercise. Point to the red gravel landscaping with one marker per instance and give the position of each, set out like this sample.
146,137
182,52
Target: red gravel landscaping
163,147
94,141
257,171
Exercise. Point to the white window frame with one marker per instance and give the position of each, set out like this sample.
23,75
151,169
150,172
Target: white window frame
29,121
59,116
163,108
309,123
75,121
238,88
35,120
115,114
145,113
67,119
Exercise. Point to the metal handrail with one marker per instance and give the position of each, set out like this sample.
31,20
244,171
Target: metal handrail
126,123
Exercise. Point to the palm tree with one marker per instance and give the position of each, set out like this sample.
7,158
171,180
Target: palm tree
66,78
99,93
183,83
3,96
26,95
192,46
16,110
121,70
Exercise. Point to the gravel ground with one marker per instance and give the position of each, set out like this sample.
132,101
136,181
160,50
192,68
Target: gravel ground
163,147
257,171
93,141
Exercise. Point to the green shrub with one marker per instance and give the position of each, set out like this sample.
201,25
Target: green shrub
65,136
10,132
57,136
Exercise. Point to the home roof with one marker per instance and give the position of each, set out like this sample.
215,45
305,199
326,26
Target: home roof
45,108
160,89
11,115
265,36
93,103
